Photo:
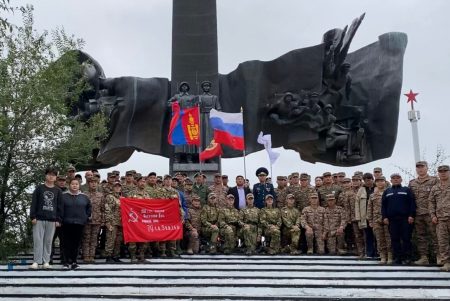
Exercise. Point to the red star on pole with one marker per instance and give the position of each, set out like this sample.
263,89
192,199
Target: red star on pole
411,97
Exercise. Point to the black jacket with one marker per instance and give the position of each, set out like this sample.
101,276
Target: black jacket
398,201
235,193
76,208
46,203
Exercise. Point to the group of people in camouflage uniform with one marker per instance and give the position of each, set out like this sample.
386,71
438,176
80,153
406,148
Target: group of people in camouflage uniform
363,214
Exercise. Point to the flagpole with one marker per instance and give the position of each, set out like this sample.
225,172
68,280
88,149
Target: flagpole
200,133
243,152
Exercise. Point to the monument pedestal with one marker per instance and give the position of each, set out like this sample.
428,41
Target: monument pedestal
209,169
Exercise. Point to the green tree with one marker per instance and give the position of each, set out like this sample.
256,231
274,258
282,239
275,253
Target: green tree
36,90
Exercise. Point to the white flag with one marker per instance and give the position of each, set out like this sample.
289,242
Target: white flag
266,140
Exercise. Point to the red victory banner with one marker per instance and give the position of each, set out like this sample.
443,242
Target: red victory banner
147,220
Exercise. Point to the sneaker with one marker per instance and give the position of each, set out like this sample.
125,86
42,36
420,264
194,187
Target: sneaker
75,266
46,266
34,266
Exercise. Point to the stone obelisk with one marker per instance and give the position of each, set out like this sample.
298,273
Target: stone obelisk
194,57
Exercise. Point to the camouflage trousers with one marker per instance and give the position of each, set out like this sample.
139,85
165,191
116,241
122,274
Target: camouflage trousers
273,235
114,239
443,235
383,238
317,235
250,236
291,237
170,245
334,240
193,241
139,247
89,242
359,238
425,231
228,234
210,235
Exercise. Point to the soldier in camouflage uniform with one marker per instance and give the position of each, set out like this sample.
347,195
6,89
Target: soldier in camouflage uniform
439,206
210,222
294,187
129,186
219,190
141,247
193,225
312,220
168,248
187,191
356,183
425,229
290,228
200,189
113,224
346,200
107,188
91,230
249,220
302,197
327,188
281,191
228,222
270,222
334,223
375,220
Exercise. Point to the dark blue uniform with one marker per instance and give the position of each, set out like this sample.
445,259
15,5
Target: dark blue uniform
260,191
398,203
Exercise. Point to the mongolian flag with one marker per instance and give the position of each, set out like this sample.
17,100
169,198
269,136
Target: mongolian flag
213,150
184,126
228,128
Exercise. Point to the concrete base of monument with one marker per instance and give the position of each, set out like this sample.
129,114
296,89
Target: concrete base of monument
209,169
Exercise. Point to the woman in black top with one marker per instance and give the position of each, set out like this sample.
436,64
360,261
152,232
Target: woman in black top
76,213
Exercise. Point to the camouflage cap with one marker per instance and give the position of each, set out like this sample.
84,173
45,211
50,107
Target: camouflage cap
116,172
421,163
326,174
188,181
395,175
93,179
380,178
377,169
281,177
60,178
443,168
129,173
290,196
304,176
212,195
71,168
177,174
334,175
346,180
195,197
117,183
313,195
358,173
110,174
330,196
167,177
356,178
230,196
341,174
269,196
249,195
295,174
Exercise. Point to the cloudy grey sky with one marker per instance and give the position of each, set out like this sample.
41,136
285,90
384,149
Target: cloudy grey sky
134,38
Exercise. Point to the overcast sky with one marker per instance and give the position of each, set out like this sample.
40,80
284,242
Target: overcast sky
133,38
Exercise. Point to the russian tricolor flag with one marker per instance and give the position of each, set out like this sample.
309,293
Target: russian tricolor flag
228,128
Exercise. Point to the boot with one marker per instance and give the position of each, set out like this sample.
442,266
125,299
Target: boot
446,267
390,259
212,250
117,259
189,251
342,251
383,259
310,251
163,253
423,260
109,259
438,260
133,258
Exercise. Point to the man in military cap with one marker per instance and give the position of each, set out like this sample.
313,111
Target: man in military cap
225,181
152,184
294,186
439,208
219,190
200,188
290,228
425,229
356,183
249,223
378,172
87,176
193,225
107,188
261,189
327,188
398,211
187,191
228,222
129,186
210,222
312,220
340,178
113,223
281,191
61,182
270,222
362,197
71,171
334,224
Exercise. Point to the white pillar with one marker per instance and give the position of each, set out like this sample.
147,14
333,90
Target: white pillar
414,117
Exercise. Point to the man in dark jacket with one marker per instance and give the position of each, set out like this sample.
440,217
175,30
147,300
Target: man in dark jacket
239,192
45,215
398,210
